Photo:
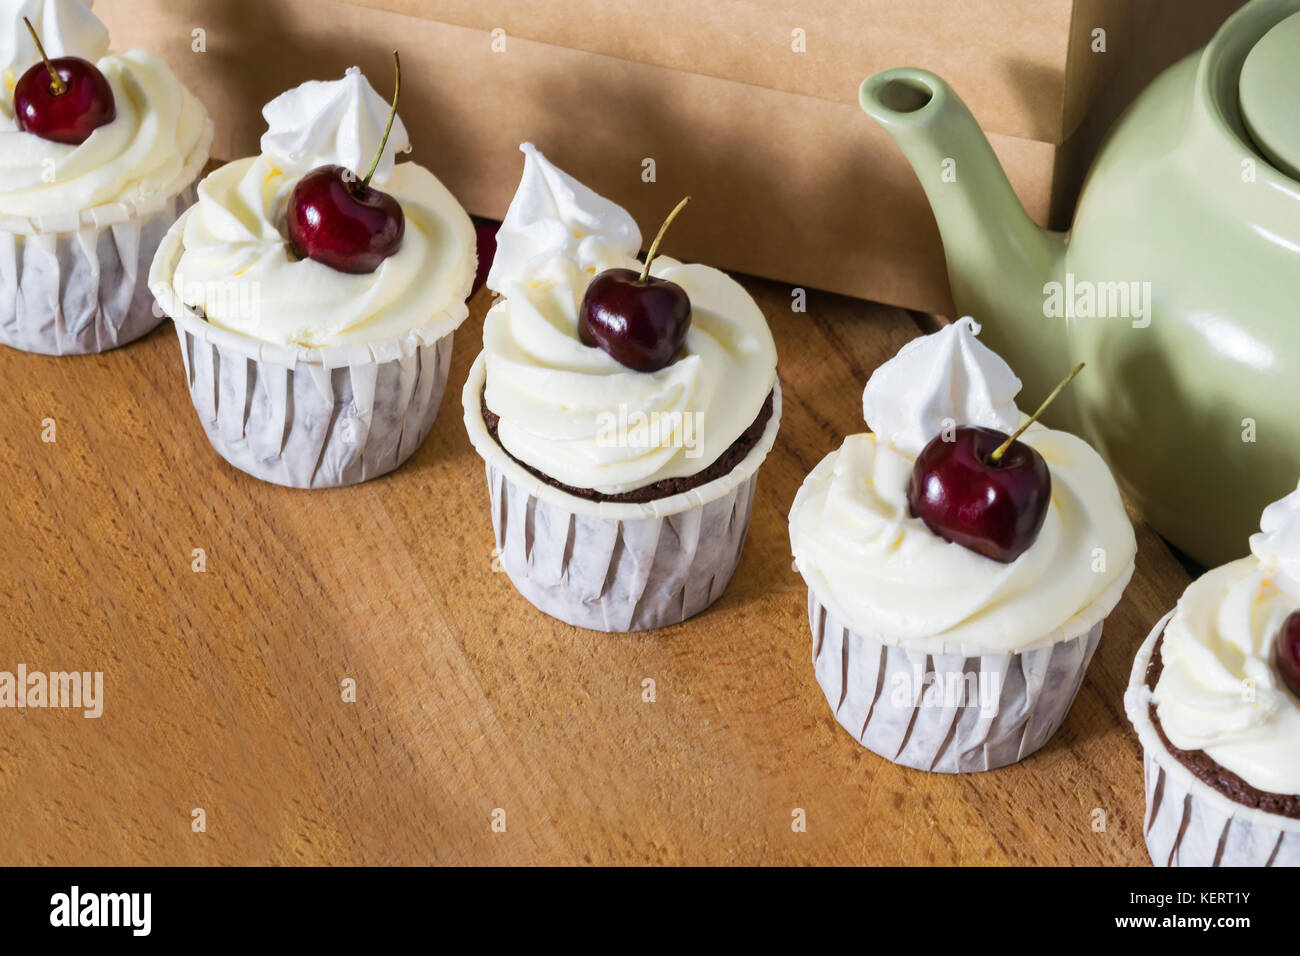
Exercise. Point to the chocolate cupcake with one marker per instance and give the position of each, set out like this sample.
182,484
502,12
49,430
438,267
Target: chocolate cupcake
318,365
1213,697
945,648
621,469
87,196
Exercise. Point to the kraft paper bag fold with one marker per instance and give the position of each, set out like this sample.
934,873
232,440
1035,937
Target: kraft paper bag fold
800,186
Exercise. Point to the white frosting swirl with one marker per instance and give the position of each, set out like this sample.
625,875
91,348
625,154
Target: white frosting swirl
553,215
949,376
137,156
336,123
66,28
858,546
1219,691
238,268
575,413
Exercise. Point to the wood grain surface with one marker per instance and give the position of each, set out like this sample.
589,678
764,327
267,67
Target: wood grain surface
223,687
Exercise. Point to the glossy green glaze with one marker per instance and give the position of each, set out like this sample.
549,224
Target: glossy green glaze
1179,285
1270,95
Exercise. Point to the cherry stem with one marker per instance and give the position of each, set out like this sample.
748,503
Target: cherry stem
1001,449
392,115
57,86
654,246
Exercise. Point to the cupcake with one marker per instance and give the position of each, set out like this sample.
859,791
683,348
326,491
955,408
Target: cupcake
1214,700
957,578
315,289
99,153
622,412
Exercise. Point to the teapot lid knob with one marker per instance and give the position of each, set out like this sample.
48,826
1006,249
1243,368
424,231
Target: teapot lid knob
1269,91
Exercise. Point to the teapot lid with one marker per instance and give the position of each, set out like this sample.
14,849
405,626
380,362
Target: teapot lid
1269,91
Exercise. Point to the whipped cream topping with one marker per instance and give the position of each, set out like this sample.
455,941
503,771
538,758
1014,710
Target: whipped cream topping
141,154
572,411
1219,690
238,268
334,123
949,376
66,28
858,546
579,416
552,215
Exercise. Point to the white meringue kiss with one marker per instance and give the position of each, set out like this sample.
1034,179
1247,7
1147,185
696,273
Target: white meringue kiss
554,216
332,123
1277,545
949,377
66,28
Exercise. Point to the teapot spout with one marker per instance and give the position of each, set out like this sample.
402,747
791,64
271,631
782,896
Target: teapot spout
999,260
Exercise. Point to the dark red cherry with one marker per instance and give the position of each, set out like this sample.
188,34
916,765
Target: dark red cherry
339,219
485,239
1286,652
68,111
993,507
640,322
637,318
336,219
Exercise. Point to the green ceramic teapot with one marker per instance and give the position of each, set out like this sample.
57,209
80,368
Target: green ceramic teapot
1179,283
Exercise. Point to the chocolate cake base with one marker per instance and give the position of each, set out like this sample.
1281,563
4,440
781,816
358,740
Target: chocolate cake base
1209,771
725,462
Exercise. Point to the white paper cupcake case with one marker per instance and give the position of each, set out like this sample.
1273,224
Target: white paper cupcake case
879,692
615,566
75,284
1188,822
308,418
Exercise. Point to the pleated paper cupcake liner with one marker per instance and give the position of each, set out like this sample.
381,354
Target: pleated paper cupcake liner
308,418
950,713
1188,822
615,566
76,284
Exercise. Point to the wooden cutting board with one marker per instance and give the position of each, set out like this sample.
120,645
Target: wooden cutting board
223,688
